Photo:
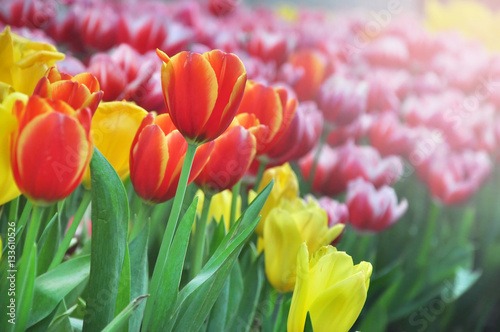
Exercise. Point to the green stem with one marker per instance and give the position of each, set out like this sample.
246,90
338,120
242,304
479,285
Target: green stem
28,207
426,243
140,219
169,231
234,203
199,237
260,173
317,153
14,209
34,227
276,311
61,251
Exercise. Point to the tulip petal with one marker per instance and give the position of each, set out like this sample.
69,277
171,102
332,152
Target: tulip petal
190,91
114,126
149,157
298,309
51,154
345,300
282,241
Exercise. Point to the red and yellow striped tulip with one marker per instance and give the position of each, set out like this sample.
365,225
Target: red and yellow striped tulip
156,158
79,91
202,92
50,149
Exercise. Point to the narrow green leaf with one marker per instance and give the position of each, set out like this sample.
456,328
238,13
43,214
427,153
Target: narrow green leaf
53,286
218,315
110,218
168,287
61,321
25,289
123,298
253,282
236,288
48,243
139,274
120,321
309,326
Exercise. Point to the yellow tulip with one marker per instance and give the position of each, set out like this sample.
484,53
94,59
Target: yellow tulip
23,62
286,187
286,228
8,124
113,128
220,206
330,287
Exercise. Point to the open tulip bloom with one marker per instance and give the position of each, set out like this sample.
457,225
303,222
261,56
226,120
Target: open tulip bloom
203,166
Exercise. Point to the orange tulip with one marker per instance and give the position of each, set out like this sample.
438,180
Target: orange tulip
50,149
202,92
78,92
233,152
156,158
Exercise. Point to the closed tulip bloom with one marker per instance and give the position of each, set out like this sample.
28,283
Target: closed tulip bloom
233,153
342,100
78,92
8,124
300,137
371,209
156,158
265,104
287,226
51,149
286,187
455,177
114,126
268,46
330,287
202,92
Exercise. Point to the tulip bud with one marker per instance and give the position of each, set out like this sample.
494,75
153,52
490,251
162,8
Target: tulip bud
202,92
156,158
51,149
371,209
233,152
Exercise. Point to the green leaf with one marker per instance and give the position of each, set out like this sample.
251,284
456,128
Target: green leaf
168,287
53,286
121,320
198,296
253,282
308,326
139,274
110,218
236,288
61,321
25,285
49,241
219,312
124,298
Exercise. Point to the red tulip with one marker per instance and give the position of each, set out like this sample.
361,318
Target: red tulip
305,71
111,78
98,27
300,137
51,148
156,158
342,100
336,167
221,7
233,152
80,91
453,178
202,92
371,209
268,46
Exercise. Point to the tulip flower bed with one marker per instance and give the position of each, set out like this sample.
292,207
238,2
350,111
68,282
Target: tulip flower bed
203,166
